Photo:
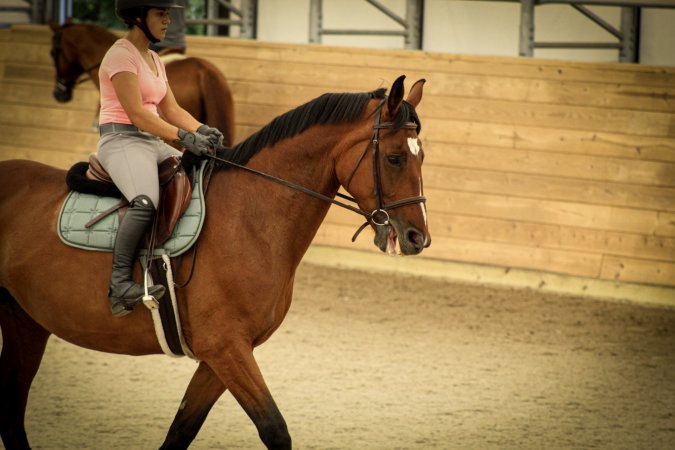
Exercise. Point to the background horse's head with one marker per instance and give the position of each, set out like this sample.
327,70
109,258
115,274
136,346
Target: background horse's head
390,182
68,68
68,57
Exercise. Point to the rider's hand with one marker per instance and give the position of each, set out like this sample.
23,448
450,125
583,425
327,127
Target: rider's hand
193,142
213,134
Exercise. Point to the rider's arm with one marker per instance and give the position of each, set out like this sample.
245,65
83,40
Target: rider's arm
129,96
175,114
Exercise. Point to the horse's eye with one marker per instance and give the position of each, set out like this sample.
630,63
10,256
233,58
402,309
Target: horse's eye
395,160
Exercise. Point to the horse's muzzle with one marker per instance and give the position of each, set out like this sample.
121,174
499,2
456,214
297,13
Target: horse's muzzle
62,96
410,240
63,91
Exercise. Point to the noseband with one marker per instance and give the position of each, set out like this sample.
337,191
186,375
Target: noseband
380,216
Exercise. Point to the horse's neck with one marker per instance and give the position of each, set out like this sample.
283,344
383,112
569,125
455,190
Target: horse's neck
92,48
283,219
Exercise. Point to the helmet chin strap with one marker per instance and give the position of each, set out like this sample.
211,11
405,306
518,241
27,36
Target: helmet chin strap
144,27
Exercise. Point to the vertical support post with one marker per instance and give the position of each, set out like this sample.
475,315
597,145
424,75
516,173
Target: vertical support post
211,13
315,21
414,16
526,44
249,19
63,11
629,36
37,12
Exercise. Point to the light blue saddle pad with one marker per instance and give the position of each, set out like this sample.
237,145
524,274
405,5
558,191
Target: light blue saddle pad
78,209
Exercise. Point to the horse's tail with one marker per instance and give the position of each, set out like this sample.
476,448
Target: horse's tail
217,99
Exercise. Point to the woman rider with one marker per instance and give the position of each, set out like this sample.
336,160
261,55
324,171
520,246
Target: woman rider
134,89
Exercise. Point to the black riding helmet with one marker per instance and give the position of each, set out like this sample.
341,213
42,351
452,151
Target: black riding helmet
132,10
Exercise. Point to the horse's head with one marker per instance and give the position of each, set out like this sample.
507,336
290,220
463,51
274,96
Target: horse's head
66,61
389,183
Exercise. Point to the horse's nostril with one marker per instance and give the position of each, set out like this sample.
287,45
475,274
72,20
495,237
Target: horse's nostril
416,238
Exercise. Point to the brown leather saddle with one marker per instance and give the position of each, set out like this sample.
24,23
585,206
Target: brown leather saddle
175,194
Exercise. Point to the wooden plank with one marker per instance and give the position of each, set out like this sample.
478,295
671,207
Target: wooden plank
61,159
596,118
553,237
85,97
471,109
340,236
554,164
527,233
54,117
604,95
407,60
568,93
446,133
523,137
514,256
531,234
30,53
665,225
643,123
40,138
542,187
294,94
551,139
550,115
30,33
638,270
552,212
600,93
497,254
29,73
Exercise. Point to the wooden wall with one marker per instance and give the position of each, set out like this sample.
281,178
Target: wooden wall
561,167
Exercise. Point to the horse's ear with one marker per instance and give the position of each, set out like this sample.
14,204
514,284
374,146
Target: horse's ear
395,96
415,94
53,25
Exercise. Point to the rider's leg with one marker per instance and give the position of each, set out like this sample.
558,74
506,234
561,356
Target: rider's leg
131,161
124,293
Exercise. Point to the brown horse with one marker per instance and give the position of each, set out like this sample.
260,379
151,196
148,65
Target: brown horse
199,87
255,235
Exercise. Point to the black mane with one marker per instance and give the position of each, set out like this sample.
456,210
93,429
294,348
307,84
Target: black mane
326,109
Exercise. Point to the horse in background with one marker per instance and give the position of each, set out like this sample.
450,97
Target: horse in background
198,85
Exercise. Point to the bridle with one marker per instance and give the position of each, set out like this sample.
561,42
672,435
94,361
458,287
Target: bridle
379,216
63,85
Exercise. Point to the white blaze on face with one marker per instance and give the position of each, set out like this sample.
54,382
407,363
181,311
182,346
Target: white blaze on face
424,208
414,145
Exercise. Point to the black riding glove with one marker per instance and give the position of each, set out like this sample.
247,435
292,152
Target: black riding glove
193,142
213,134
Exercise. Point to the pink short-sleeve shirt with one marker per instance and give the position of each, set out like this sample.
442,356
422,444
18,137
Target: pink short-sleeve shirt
124,57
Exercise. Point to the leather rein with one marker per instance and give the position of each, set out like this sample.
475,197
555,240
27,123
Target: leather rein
379,216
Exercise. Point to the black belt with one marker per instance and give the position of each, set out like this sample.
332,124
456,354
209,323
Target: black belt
116,127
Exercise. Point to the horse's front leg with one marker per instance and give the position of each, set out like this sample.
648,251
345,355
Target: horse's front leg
202,392
239,371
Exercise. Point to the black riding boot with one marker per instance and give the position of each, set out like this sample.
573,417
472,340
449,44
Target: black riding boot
124,293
